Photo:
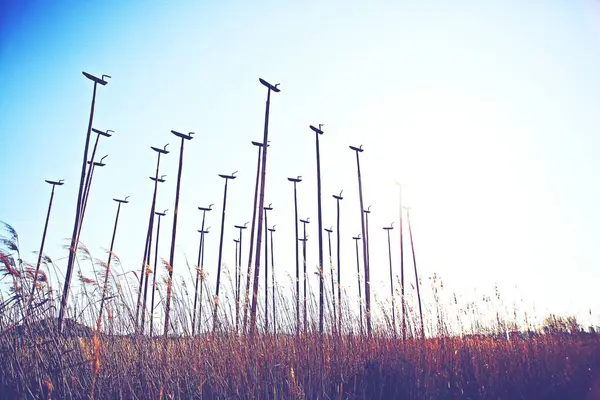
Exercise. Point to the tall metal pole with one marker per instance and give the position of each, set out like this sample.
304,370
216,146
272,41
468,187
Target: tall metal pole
401,263
88,175
252,227
295,181
241,228
412,246
238,274
339,286
227,178
356,239
40,254
236,259
261,204
388,229
303,240
202,275
198,267
88,178
334,317
87,190
74,241
147,246
367,212
160,214
304,314
110,253
359,150
145,275
183,137
273,280
318,132
269,208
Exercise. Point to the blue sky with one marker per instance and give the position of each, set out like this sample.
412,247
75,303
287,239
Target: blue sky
486,111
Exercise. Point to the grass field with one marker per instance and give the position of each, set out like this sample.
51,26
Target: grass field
560,362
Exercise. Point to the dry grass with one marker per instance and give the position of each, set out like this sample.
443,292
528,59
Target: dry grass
37,362
353,367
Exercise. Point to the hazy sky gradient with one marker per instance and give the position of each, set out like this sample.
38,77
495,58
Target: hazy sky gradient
487,112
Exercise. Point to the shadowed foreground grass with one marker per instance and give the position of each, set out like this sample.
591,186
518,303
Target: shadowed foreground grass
352,367
36,362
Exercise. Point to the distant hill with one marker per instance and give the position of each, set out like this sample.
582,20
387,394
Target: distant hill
50,326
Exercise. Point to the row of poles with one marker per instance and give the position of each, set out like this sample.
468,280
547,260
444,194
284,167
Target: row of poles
259,221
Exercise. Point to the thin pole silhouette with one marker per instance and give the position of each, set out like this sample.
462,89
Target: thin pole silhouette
160,214
356,239
269,208
89,175
110,253
303,240
388,229
412,246
183,137
88,178
359,150
261,204
87,190
334,317
402,263
199,269
367,212
295,181
252,230
148,245
40,254
227,178
238,275
202,275
145,274
318,132
74,237
338,198
273,280
304,313
236,258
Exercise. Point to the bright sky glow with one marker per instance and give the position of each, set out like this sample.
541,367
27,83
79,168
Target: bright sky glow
486,112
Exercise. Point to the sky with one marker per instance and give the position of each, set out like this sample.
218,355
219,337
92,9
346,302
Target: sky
485,111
